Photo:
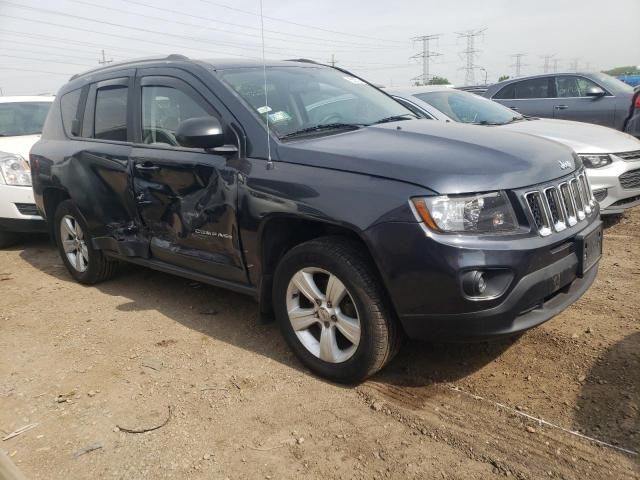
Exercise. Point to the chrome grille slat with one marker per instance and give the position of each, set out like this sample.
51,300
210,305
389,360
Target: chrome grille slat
629,156
559,206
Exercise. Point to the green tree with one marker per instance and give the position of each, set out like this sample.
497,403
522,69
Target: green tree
631,70
503,77
439,81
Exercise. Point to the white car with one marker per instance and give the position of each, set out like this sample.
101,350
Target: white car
21,121
612,157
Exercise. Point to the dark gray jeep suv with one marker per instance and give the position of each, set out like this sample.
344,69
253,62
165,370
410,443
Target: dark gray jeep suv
319,195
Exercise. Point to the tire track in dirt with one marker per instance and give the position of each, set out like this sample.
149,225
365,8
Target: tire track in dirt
486,433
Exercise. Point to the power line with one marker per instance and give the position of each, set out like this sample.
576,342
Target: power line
46,60
249,27
518,63
303,25
426,56
470,53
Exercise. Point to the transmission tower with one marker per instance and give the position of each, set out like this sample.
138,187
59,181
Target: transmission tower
425,55
556,61
103,60
573,66
470,53
518,63
333,60
547,62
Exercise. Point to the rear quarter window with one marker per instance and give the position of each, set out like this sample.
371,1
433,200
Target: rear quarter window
69,110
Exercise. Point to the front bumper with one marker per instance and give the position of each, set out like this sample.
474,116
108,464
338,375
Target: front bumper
17,210
423,275
618,199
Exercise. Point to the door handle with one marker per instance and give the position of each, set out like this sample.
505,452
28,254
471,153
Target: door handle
561,107
514,108
147,167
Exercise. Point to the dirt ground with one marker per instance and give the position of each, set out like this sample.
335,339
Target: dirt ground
87,364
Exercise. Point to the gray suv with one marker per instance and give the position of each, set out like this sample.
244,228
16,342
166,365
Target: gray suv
583,97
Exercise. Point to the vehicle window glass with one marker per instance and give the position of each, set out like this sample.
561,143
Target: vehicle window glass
506,93
110,119
532,88
414,109
163,108
69,109
468,108
570,86
306,97
22,118
612,84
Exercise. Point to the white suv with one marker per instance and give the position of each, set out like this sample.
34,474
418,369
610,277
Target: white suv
21,121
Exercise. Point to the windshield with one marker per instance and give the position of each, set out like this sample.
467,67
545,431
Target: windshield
611,83
469,108
305,98
22,118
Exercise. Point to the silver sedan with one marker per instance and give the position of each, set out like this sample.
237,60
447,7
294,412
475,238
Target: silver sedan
612,158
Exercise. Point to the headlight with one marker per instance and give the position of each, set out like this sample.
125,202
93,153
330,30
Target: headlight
596,161
481,213
14,170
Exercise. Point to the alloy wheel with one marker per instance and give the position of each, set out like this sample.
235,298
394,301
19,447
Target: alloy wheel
73,243
323,315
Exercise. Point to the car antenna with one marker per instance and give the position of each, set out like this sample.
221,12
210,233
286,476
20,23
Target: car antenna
266,96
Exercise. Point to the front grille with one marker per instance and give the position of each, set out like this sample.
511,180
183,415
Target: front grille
558,206
27,209
629,156
630,179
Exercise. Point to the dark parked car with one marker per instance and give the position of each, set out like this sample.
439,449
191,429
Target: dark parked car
583,97
320,196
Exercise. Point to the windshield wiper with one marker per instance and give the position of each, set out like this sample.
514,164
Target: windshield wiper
394,118
326,126
486,122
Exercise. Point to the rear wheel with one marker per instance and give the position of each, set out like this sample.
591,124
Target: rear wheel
86,264
332,310
7,239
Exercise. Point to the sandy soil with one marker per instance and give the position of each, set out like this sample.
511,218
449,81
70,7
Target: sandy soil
87,364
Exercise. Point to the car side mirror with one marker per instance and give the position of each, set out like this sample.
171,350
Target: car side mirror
595,92
200,132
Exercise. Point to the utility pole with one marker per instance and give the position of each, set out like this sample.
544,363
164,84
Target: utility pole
470,53
518,63
547,62
573,66
333,60
426,55
103,60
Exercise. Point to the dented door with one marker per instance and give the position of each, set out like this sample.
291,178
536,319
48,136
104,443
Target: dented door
187,202
186,198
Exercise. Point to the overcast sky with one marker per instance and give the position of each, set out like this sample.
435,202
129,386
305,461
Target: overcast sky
370,37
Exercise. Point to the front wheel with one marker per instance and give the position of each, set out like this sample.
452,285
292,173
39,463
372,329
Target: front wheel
332,310
86,264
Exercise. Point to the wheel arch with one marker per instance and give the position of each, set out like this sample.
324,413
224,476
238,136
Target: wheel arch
51,198
279,234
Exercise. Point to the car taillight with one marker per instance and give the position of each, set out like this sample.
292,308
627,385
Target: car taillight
637,103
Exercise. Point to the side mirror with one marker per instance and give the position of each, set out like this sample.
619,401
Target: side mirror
595,92
200,132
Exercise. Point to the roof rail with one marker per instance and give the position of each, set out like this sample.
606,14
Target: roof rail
173,56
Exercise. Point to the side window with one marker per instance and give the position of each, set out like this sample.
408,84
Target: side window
570,86
110,118
69,110
163,108
506,93
420,113
534,88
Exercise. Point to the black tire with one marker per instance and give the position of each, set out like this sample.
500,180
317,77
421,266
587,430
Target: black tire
380,336
98,267
8,238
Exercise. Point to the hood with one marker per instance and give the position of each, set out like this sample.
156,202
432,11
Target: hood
580,137
20,144
446,158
